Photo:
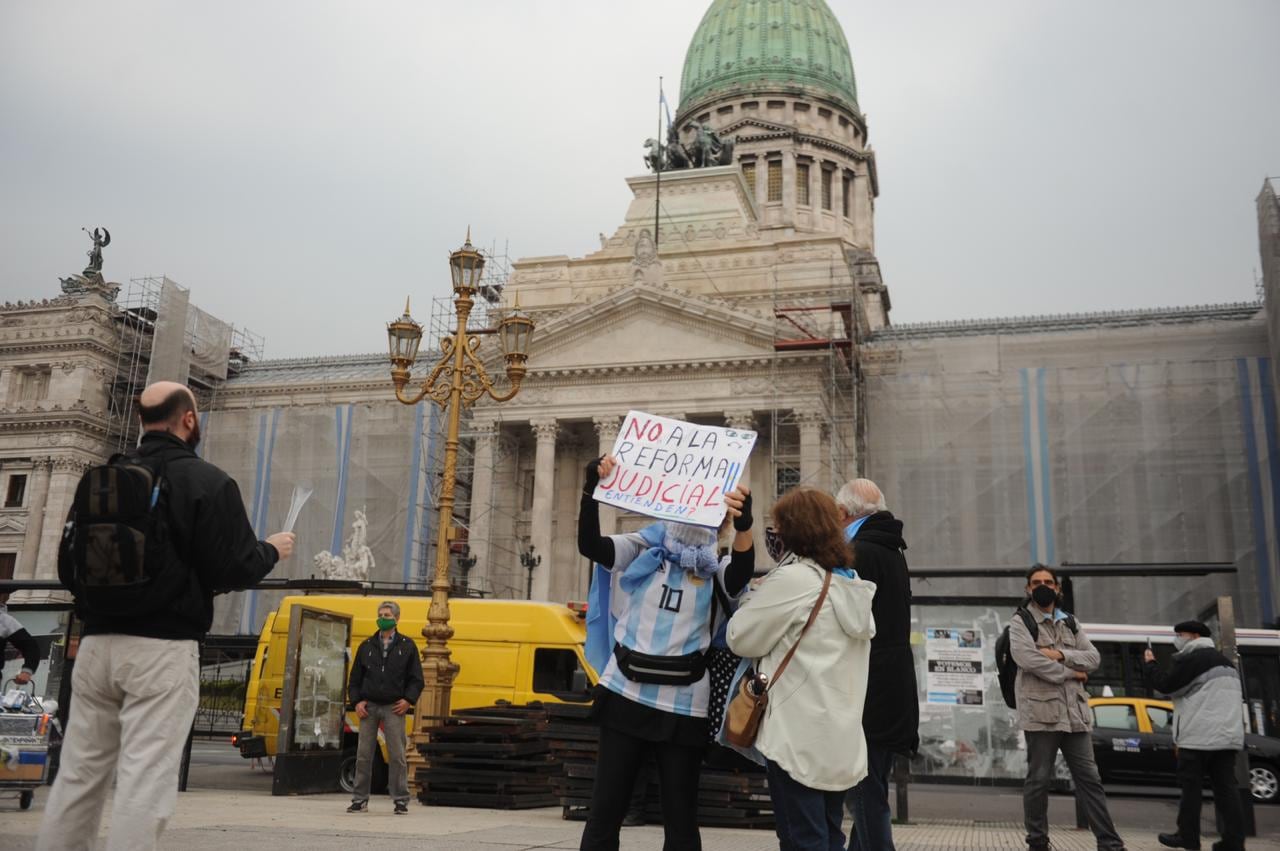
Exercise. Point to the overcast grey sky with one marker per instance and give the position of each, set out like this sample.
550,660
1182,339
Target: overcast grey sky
301,166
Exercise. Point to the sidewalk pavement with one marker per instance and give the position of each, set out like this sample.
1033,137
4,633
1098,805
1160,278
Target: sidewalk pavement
219,819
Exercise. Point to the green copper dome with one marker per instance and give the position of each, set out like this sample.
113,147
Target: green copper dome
747,44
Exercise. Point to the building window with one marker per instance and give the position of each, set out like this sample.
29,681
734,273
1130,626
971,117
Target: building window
16,490
826,189
785,478
8,561
802,184
775,181
846,193
749,175
31,385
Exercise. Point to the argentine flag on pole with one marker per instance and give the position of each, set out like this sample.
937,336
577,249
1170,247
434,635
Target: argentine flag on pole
662,99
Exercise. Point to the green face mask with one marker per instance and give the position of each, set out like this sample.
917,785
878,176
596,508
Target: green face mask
386,623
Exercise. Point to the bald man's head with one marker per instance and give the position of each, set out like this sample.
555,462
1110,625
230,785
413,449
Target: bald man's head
859,498
169,406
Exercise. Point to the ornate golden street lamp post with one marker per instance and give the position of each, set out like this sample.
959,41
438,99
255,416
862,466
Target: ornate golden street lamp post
458,380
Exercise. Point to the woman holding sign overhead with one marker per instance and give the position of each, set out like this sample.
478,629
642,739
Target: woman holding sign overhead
653,610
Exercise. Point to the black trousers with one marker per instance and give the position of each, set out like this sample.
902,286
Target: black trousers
1221,768
620,758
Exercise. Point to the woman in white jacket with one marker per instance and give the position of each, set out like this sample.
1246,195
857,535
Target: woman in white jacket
811,733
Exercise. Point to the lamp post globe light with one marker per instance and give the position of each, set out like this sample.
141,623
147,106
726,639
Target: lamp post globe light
457,380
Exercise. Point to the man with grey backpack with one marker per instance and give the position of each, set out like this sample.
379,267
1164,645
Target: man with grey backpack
151,537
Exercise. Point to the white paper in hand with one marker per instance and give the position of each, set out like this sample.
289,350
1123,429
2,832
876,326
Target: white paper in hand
301,493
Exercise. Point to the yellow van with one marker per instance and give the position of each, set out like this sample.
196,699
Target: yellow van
509,650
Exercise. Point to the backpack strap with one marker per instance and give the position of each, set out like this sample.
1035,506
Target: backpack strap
1029,622
1072,625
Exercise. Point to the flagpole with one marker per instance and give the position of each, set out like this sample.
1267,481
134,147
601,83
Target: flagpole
657,192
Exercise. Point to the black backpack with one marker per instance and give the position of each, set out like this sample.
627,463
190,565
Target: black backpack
117,540
1006,668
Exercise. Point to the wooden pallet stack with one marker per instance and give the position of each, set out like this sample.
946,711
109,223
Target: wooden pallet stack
495,757
727,797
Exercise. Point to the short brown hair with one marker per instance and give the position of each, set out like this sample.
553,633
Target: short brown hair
809,524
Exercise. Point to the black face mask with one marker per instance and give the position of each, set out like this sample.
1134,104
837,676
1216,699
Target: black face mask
1044,596
773,544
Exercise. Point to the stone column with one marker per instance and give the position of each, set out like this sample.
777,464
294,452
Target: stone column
481,520
861,212
568,577
544,472
39,490
812,468
62,490
607,432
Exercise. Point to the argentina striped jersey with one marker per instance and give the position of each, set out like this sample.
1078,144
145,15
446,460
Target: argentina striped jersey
667,615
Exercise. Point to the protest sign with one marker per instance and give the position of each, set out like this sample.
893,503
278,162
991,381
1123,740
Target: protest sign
675,470
953,659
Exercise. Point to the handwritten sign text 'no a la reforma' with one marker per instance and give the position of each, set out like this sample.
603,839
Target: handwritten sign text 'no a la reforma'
675,470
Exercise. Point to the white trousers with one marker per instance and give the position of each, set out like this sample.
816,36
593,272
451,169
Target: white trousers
132,703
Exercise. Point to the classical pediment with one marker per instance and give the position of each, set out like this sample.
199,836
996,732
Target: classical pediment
10,524
755,125
647,325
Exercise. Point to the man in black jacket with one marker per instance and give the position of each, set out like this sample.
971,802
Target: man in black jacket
386,679
136,679
891,717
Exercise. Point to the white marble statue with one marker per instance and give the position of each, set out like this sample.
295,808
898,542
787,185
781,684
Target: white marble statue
356,560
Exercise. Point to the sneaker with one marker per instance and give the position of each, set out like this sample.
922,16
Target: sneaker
1173,840
634,819
402,809
358,807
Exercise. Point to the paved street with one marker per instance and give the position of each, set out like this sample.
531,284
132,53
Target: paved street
230,805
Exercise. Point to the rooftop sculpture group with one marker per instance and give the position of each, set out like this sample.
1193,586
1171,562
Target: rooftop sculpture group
91,280
705,149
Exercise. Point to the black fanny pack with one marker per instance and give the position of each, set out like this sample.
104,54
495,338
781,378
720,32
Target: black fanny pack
660,670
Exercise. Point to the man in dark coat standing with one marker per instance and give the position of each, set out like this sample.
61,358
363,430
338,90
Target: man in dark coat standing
891,719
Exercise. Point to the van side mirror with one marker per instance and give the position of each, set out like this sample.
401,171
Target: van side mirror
580,684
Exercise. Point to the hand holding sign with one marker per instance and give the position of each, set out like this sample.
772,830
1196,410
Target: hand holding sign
673,469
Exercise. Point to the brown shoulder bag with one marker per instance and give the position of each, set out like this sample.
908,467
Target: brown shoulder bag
746,708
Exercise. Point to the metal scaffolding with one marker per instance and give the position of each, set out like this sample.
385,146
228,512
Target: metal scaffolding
137,321
824,314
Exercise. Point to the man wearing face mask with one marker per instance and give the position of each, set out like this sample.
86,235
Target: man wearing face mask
386,679
137,676
1054,658
1207,730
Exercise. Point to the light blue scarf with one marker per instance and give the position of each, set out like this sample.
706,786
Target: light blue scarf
850,532
701,561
